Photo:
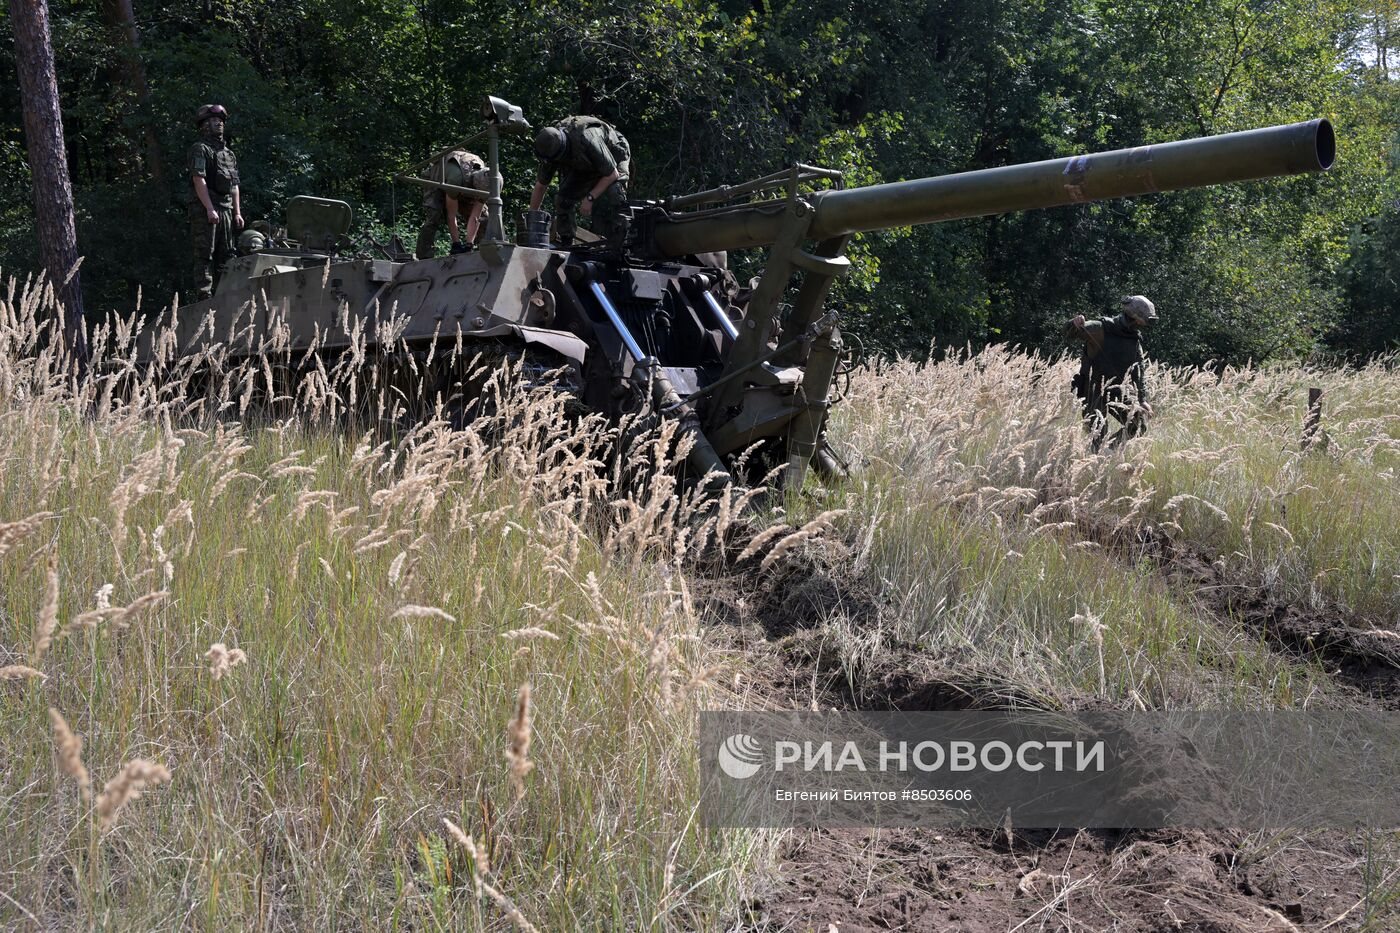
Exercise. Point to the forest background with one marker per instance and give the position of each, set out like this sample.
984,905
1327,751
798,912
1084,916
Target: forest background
333,97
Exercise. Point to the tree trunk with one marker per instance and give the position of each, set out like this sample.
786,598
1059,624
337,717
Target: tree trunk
48,164
121,19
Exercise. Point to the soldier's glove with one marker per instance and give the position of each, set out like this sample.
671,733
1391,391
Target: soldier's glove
461,248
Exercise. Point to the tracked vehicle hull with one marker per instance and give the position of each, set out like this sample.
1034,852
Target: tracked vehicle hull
606,331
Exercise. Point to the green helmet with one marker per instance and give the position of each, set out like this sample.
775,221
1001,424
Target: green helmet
250,241
209,110
1140,309
550,143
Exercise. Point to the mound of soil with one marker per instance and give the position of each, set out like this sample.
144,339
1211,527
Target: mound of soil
972,880
1363,661
921,880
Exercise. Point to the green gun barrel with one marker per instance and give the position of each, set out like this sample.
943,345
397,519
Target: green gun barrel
1290,149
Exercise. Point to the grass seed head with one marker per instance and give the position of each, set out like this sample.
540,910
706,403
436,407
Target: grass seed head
423,612
12,533
531,633
48,612
20,672
518,748
760,540
131,782
69,748
223,659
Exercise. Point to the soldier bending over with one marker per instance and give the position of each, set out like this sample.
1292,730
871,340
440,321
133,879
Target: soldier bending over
593,162
465,170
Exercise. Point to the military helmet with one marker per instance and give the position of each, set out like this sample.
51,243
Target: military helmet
550,143
1140,309
250,241
209,110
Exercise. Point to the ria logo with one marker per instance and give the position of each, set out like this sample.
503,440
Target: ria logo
740,756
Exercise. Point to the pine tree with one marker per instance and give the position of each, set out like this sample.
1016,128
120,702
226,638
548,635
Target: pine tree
48,165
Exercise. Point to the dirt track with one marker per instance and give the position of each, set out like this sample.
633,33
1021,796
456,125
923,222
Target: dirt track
1070,880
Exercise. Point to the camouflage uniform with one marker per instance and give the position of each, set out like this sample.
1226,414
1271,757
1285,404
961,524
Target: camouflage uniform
460,168
211,159
1112,356
595,148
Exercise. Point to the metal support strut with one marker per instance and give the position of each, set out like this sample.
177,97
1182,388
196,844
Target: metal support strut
722,319
702,456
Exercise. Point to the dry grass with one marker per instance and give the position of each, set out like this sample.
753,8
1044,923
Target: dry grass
387,600
465,667
994,527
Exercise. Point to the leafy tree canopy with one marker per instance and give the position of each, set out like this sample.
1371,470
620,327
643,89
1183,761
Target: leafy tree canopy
335,96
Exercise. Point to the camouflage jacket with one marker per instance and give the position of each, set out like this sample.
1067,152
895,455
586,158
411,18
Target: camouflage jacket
596,149
458,167
212,160
1112,352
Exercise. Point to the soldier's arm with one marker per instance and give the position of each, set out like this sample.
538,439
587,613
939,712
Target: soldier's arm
198,166
452,217
1091,333
474,220
237,201
543,176
603,184
201,191
597,190
601,160
1140,383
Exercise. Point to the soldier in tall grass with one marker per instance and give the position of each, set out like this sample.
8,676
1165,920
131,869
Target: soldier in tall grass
1112,356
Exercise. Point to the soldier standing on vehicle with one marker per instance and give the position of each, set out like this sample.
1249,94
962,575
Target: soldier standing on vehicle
465,170
1113,355
593,162
215,209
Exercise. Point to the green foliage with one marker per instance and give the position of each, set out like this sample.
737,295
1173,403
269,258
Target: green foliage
335,96
1371,280
1372,285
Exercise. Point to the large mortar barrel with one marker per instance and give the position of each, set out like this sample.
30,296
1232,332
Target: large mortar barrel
1263,153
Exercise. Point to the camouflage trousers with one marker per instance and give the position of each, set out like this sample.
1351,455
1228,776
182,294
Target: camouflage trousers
435,219
1104,407
609,219
213,246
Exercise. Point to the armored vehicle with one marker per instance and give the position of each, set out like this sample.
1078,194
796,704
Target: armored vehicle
661,324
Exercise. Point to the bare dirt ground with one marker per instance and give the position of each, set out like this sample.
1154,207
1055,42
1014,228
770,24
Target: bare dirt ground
1070,880
1075,881
1364,663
